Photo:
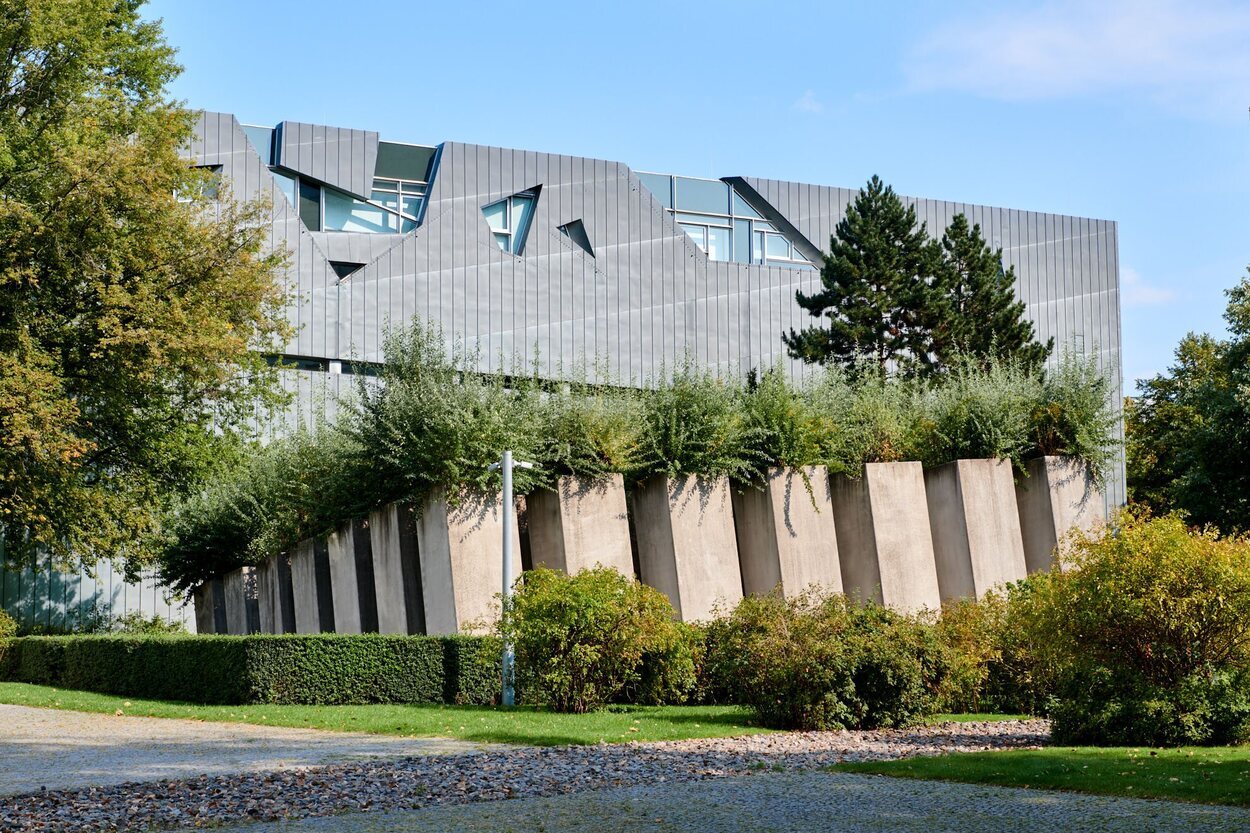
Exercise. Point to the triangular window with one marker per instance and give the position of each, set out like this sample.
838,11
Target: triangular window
509,220
344,269
576,234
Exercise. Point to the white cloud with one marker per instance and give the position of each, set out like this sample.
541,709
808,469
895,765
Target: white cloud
1192,56
808,103
1137,293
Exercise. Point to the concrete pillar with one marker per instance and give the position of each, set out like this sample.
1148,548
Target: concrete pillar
785,533
884,544
1058,495
396,570
582,523
351,579
210,607
313,601
277,604
976,528
242,610
462,563
686,545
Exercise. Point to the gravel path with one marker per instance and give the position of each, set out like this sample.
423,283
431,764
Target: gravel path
791,803
501,772
60,750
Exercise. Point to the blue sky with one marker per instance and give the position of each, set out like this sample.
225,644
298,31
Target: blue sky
1130,111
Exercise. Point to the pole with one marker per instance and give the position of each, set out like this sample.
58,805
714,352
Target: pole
505,465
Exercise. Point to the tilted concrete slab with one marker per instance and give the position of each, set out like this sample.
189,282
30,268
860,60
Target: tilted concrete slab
310,587
584,522
461,559
242,610
885,547
276,595
351,579
397,570
686,544
210,607
1058,495
786,535
976,528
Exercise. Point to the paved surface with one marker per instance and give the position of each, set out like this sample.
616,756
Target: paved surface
58,750
814,801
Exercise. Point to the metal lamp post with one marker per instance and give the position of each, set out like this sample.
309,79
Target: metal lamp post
505,466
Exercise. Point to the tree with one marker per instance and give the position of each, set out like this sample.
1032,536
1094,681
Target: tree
973,314
1188,430
875,287
130,312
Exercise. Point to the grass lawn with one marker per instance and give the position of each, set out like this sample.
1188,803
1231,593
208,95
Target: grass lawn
1219,775
527,725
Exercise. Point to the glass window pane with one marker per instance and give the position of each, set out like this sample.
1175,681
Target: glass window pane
413,188
520,212
718,243
706,219
412,205
760,225
404,161
408,225
497,215
386,198
286,184
661,186
704,195
741,208
503,240
777,246
345,213
757,247
697,233
385,184
262,140
310,205
742,241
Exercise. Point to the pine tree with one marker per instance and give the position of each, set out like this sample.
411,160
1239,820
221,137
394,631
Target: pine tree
875,283
974,314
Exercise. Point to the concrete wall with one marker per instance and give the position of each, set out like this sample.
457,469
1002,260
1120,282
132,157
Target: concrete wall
397,570
310,586
582,523
461,551
976,528
686,544
1058,495
786,535
351,579
884,544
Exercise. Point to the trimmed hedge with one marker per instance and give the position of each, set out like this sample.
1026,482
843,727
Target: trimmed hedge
314,669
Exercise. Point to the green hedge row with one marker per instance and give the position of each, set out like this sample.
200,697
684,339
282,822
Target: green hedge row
320,669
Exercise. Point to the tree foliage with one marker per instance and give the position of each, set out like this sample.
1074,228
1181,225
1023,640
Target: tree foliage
1188,430
129,315
892,298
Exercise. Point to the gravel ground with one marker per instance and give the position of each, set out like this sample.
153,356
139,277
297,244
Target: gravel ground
59,750
793,802
500,773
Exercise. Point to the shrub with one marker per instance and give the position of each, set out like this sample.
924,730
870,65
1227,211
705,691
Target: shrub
693,423
787,428
8,626
1149,625
591,431
580,640
824,662
1072,415
979,411
995,664
875,419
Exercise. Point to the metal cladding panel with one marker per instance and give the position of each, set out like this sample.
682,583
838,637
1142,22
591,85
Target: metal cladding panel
338,156
647,298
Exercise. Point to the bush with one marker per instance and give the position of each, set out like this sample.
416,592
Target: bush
978,412
319,669
1071,415
995,664
581,640
823,662
591,431
1149,626
8,626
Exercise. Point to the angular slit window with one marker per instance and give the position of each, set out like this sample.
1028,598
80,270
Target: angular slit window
576,233
509,220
